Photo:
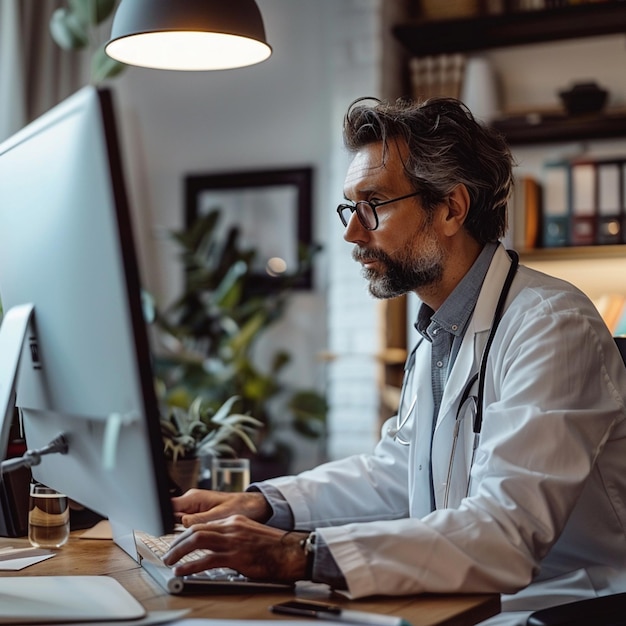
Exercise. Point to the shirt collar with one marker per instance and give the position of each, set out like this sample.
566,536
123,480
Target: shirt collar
455,312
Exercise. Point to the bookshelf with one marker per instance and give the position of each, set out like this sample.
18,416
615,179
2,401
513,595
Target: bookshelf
539,128
484,32
597,270
422,37
573,252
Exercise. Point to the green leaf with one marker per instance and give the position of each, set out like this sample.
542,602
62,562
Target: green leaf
229,282
223,412
309,404
67,30
309,411
103,66
91,12
148,307
249,331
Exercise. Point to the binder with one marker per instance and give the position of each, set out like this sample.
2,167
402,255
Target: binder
623,202
613,313
612,309
620,325
609,230
583,220
526,209
556,205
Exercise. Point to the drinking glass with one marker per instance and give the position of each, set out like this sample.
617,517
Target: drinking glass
230,474
48,517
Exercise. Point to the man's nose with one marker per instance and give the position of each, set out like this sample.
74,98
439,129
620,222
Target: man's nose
355,232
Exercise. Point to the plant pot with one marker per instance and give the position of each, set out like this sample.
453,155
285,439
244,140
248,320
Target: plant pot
185,473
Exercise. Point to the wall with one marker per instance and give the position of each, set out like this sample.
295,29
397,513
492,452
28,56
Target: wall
288,112
285,112
353,337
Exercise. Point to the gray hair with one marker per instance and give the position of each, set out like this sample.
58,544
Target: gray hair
447,147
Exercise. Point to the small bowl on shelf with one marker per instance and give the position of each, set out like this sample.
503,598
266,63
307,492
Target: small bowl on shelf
584,98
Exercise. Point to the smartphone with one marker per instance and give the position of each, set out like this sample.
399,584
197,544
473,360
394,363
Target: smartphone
333,612
307,609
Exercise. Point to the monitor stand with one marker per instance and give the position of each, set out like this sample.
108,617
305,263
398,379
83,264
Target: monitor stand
17,325
13,331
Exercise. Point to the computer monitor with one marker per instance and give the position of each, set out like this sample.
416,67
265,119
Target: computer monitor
66,248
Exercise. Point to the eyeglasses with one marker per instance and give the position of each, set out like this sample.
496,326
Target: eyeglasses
366,211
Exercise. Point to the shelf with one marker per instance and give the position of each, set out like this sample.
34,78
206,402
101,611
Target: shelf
537,128
574,252
525,27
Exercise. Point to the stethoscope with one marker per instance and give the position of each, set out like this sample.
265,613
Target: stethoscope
471,405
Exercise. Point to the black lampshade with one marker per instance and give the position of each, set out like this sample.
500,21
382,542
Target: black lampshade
188,34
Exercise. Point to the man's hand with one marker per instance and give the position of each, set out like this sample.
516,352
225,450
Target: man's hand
202,505
253,549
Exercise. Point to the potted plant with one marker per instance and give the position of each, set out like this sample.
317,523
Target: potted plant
195,431
204,341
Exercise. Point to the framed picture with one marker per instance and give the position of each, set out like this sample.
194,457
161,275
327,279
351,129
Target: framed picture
271,209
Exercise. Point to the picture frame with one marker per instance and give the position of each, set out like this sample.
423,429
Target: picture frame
271,208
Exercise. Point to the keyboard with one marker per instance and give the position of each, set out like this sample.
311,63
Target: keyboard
215,580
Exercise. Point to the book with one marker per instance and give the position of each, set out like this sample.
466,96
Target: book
556,204
612,309
436,75
619,329
525,213
623,203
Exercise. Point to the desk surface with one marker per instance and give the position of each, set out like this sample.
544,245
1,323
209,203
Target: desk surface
89,557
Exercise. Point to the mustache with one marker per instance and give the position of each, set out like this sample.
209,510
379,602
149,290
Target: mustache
364,254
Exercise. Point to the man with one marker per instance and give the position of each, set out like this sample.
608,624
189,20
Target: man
504,469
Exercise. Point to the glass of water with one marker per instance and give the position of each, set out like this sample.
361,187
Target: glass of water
230,474
48,517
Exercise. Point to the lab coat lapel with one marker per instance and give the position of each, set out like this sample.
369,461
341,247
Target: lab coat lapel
419,461
465,365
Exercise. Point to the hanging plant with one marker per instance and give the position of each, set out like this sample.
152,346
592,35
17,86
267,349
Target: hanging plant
75,27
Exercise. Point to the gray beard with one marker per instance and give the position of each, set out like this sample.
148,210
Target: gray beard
400,276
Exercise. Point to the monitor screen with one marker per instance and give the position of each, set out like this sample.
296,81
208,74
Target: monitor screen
66,247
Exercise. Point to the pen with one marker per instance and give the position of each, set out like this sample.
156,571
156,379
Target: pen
361,617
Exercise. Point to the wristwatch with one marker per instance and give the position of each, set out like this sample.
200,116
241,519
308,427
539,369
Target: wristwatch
309,547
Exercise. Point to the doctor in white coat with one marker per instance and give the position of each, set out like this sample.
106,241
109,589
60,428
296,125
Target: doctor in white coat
505,469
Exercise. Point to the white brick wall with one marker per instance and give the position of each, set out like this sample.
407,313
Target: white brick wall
352,323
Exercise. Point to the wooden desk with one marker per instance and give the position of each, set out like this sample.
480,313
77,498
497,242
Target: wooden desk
88,557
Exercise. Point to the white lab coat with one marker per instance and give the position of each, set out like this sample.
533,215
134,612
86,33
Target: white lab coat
547,501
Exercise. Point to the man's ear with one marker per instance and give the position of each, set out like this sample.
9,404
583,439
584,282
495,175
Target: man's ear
456,209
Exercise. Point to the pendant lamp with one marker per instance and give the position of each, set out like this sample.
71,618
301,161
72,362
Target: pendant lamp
188,34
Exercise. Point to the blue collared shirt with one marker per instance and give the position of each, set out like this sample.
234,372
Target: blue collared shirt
445,329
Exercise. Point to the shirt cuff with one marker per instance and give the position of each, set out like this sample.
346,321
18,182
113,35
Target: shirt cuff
282,517
325,568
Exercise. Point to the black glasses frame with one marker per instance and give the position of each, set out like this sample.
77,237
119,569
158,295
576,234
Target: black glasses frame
361,207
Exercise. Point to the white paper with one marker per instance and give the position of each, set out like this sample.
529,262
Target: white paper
15,559
153,618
